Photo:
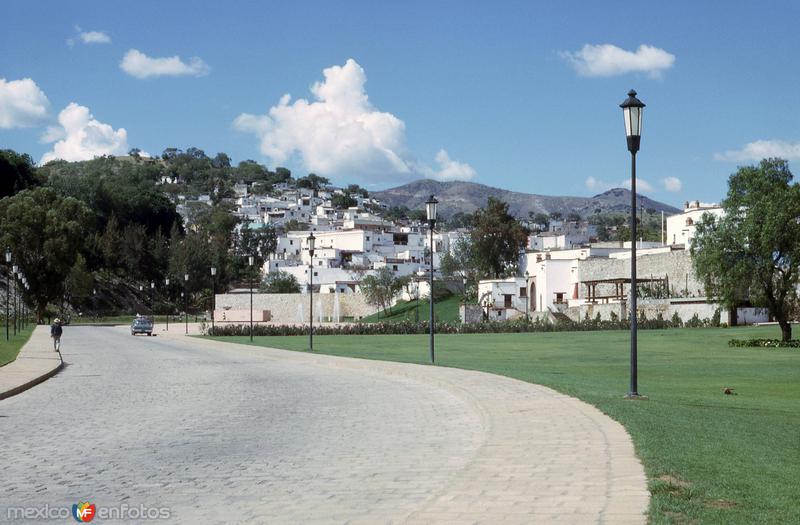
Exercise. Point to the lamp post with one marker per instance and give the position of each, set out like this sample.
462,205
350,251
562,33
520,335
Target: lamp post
8,314
416,292
632,109
153,302
250,263
166,285
213,297
527,298
311,242
430,208
14,270
185,295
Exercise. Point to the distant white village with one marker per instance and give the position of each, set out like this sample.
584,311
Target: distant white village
564,270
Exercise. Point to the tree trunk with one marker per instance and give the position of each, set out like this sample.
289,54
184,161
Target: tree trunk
786,330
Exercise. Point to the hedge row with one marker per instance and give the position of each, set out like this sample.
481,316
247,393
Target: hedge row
410,327
764,343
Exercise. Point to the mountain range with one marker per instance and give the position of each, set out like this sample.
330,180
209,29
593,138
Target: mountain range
455,196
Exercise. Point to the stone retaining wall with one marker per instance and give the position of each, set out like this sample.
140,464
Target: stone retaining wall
291,308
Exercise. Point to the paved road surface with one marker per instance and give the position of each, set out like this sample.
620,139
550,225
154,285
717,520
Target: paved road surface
223,433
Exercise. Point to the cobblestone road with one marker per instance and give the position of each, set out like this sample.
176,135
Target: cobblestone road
228,434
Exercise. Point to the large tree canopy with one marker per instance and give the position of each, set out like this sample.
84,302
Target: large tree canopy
17,173
45,233
754,250
497,238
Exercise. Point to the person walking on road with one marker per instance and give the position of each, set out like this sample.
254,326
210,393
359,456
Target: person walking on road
55,333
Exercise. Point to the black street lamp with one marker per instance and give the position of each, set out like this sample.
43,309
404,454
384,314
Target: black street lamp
166,285
311,242
632,110
527,298
14,270
8,313
185,296
153,302
250,263
430,208
213,298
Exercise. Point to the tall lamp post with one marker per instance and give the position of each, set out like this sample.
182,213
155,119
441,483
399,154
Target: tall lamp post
527,298
14,270
166,286
430,208
8,283
153,302
632,109
213,297
185,295
250,263
311,242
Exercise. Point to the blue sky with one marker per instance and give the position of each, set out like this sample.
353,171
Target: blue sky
502,93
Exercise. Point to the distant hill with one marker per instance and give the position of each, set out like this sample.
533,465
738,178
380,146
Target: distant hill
468,196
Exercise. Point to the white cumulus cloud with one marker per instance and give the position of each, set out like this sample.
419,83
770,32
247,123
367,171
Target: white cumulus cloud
341,134
95,37
762,149
139,65
606,60
82,137
672,184
22,104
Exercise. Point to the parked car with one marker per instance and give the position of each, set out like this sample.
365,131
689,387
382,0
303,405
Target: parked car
142,325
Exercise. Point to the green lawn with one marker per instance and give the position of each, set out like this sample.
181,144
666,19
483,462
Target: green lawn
710,457
444,310
9,349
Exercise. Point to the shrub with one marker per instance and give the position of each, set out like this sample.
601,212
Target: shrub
764,343
676,320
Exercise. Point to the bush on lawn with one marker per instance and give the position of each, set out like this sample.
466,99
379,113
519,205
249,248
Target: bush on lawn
764,343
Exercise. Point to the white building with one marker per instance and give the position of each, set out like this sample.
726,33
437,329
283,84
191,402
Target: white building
681,227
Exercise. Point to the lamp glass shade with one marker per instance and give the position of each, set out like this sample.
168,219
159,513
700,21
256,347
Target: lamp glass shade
632,111
430,208
8,255
152,284
213,271
186,277
166,282
312,241
633,121
15,268
250,260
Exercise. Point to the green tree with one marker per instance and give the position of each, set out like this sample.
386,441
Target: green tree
312,181
46,233
343,201
279,282
754,249
17,172
78,284
460,262
540,218
497,239
381,288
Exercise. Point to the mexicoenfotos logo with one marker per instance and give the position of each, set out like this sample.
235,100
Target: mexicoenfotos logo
83,512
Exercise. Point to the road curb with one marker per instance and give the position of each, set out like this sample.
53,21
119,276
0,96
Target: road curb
32,383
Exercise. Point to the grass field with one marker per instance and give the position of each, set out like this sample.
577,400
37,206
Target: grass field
9,349
444,310
710,457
